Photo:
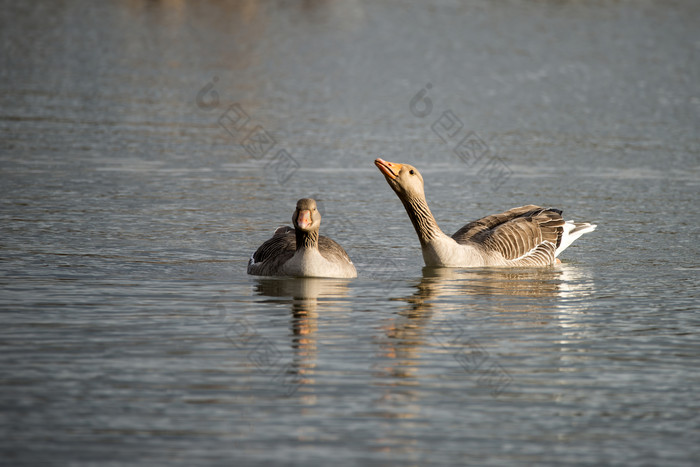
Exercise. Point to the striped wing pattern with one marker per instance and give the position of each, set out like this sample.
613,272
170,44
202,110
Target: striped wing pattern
524,236
274,252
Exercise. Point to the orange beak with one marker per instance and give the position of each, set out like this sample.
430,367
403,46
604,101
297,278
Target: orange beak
304,219
389,169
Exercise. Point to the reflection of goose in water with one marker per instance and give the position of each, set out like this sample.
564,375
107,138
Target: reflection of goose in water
525,282
531,288
520,237
304,295
308,289
442,291
449,295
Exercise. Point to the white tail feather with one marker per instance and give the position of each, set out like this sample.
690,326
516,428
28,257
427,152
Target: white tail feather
572,231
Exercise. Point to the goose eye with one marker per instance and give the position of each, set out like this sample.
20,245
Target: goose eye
412,172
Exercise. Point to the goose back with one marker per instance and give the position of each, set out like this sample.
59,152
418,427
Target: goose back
527,235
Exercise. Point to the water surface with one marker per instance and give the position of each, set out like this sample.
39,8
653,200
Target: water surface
131,332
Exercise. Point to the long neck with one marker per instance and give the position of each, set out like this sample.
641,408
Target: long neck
422,219
306,240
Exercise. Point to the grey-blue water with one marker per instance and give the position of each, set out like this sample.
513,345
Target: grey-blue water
148,147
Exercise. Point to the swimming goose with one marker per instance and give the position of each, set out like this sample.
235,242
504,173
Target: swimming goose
300,251
524,236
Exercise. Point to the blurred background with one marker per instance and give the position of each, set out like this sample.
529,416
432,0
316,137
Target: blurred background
147,148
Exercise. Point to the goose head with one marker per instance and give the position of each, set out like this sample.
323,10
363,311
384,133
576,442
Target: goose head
306,217
404,179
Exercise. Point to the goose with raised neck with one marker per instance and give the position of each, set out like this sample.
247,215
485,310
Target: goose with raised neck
520,237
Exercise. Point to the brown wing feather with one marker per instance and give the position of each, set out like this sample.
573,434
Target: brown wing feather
466,233
528,230
331,250
274,252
